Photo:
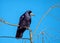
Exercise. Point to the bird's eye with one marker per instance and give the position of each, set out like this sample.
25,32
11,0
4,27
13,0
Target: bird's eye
29,12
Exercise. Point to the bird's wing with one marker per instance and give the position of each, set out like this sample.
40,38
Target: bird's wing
20,32
30,21
20,29
21,18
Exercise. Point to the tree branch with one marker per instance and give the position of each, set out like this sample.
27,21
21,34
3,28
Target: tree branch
5,22
13,37
44,15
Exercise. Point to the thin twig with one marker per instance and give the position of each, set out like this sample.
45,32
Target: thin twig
30,32
44,15
5,22
42,36
46,37
13,37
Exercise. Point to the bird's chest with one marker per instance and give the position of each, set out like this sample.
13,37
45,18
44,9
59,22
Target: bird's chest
26,21
27,16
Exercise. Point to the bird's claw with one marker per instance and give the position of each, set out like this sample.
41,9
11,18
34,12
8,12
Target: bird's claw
26,27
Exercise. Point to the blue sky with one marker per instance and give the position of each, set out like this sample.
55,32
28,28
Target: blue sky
11,10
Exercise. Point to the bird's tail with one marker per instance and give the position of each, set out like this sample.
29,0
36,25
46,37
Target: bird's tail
19,33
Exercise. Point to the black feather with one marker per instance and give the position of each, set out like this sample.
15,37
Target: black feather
25,21
20,32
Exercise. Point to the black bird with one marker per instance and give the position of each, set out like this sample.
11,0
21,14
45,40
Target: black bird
24,23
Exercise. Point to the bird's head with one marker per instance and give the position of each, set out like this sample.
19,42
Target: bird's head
30,13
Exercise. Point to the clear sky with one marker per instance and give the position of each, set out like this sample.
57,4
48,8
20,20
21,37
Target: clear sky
11,10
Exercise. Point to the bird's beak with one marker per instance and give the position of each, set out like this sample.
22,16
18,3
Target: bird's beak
32,14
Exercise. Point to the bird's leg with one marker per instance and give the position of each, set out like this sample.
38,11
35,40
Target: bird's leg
26,27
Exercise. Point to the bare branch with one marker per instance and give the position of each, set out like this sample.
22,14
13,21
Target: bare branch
30,32
13,37
5,22
44,15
